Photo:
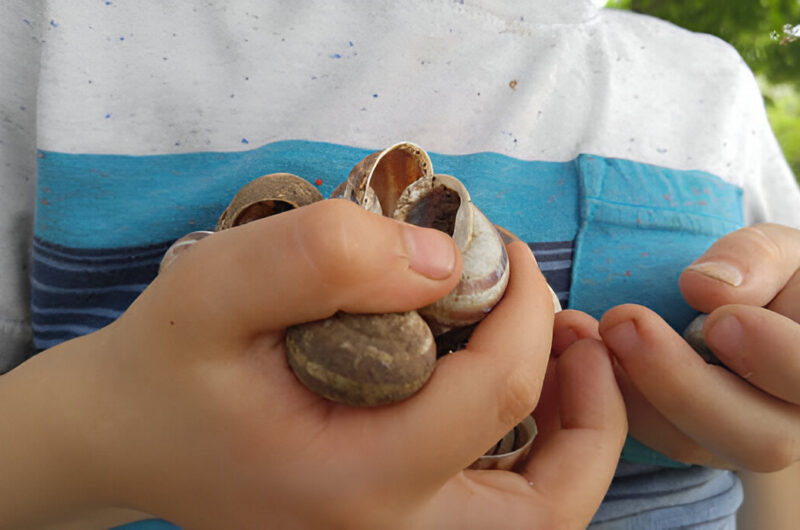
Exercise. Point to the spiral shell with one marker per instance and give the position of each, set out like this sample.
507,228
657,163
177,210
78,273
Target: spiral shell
265,196
442,202
511,450
377,181
356,359
399,182
363,360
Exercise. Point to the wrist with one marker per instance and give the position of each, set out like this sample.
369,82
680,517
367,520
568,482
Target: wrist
49,435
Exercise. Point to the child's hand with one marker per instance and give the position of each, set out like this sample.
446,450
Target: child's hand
186,408
699,413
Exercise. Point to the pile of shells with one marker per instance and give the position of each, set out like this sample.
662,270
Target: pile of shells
376,359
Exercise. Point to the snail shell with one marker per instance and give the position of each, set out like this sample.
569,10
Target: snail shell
359,360
363,360
265,196
693,334
511,450
399,182
442,202
262,197
377,181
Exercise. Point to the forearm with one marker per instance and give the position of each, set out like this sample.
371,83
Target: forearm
46,411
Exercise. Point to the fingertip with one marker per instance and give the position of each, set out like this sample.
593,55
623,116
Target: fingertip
618,314
748,266
573,463
702,291
590,396
571,325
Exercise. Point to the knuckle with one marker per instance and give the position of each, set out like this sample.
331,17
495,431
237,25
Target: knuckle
760,241
331,242
519,397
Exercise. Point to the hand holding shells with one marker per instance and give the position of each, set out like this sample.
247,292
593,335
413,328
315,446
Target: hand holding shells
375,359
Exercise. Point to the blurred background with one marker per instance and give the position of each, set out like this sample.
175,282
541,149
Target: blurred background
767,35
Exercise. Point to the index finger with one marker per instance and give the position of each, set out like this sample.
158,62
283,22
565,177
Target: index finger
749,266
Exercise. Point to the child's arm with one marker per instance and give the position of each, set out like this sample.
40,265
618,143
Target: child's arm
185,407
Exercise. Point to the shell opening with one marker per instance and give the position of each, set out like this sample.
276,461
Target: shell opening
437,209
262,209
395,170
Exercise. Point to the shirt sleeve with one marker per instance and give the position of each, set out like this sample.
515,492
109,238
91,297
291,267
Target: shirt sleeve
771,193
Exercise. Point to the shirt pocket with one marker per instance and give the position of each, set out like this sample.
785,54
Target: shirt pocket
639,226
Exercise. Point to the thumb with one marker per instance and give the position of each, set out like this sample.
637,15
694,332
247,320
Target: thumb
304,265
749,266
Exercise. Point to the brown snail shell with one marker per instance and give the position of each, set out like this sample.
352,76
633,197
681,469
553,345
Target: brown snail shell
511,450
363,360
377,181
399,182
265,196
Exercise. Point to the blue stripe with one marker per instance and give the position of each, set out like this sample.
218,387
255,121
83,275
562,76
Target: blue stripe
115,201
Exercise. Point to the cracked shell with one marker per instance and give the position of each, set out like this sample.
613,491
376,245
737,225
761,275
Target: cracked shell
377,181
266,196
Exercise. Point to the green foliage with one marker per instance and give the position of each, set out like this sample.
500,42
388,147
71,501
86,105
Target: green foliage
761,32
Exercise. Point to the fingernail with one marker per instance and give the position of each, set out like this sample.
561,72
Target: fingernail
725,337
622,338
430,252
719,270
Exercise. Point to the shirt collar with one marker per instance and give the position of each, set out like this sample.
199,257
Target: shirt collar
541,11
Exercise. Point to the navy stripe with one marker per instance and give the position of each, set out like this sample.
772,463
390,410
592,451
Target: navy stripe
105,267
103,255
77,291
555,262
